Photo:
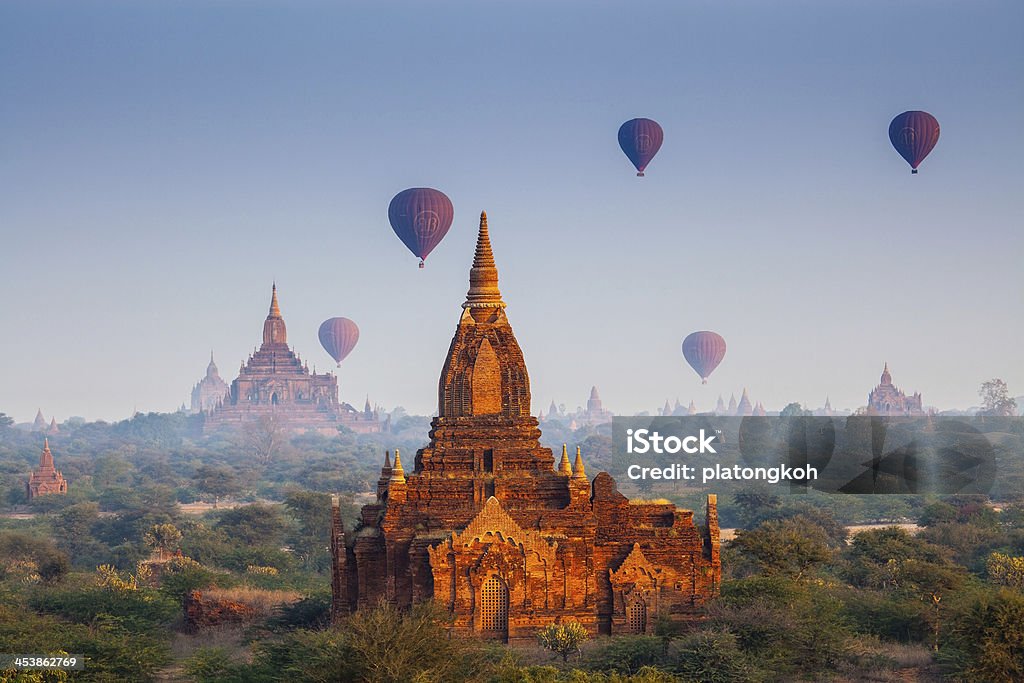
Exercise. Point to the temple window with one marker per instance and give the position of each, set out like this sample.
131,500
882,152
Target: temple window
494,606
636,617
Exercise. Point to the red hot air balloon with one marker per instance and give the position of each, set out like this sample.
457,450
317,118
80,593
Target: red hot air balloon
421,217
914,134
704,351
338,336
640,139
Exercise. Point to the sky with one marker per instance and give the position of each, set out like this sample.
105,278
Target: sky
162,163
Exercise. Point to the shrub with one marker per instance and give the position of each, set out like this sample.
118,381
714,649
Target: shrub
626,654
563,639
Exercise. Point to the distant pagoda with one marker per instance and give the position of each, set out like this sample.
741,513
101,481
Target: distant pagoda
46,479
210,390
888,399
275,384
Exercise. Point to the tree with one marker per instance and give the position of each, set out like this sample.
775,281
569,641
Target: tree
563,639
755,504
163,538
215,481
266,436
989,637
6,420
787,547
1006,570
794,410
254,525
313,512
996,400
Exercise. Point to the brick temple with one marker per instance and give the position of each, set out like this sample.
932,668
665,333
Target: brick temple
274,383
45,479
888,399
492,527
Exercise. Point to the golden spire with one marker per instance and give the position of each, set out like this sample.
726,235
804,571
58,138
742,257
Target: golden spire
577,468
563,466
483,276
397,473
275,310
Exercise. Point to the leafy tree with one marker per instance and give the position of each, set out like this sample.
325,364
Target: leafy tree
312,539
756,504
794,410
788,547
627,654
391,646
996,399
163,538
563,639
6,421
215,481
987,639
1006,570
711,656
255,524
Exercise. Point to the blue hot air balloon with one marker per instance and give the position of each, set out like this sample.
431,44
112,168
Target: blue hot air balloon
421,217
640,139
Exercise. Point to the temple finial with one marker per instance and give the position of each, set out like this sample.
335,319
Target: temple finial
275,309
483,276
397,473
578,472
564,467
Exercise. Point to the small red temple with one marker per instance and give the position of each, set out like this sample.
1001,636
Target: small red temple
46,479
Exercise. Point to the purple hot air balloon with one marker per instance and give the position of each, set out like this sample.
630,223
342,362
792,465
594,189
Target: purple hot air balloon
338,336
914,134
640,139
421,217
704,351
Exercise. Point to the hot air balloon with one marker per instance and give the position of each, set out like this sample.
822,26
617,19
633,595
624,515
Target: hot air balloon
421,217
338,336
640,139
914,134
704,351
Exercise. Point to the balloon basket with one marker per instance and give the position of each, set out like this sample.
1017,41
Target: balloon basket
913,171
703,381
640,175
339,363
421,263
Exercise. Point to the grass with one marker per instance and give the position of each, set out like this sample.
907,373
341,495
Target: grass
263,601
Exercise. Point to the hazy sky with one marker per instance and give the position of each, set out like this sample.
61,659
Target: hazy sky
162,162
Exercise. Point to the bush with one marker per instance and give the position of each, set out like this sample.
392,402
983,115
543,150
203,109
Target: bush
563,639
626,654
711,657
986,641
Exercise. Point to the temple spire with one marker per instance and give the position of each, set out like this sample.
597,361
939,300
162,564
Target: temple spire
577,468
46,457
274,331
483,276
397,473
275,309
564,467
